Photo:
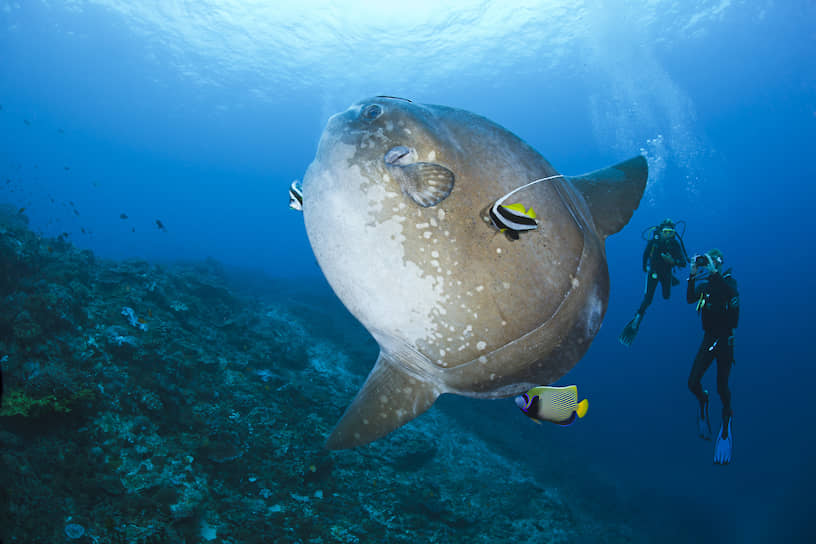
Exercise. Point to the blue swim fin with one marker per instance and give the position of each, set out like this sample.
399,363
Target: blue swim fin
724,445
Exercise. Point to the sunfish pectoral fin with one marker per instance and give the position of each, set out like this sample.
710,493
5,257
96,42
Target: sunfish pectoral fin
613,194
389,398
426,183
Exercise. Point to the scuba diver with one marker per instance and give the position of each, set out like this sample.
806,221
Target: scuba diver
717,299
664,251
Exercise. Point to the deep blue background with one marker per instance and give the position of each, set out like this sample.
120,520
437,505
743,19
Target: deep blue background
202,120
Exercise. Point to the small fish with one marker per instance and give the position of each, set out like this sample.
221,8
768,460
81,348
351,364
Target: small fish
21,210
160,225
83,230
66,168
132,229
50,249
27,122
64,235
141,321
123,216
149,312
555,404
59,130
296,196
76,212
513,219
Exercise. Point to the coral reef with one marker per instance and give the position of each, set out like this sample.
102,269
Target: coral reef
156,403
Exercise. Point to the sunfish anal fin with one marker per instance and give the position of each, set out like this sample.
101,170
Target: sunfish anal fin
426,183
613,194
390,397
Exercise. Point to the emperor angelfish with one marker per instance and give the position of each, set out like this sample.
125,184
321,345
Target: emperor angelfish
555,404
398,217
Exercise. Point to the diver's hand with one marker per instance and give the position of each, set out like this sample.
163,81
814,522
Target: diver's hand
667,258
692,269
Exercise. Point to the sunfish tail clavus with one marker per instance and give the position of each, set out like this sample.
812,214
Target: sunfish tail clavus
397,206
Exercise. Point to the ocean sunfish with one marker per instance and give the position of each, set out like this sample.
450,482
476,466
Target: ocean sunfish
397,206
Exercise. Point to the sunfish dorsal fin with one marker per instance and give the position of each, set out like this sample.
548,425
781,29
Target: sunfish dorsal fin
390,397
613,194
426,183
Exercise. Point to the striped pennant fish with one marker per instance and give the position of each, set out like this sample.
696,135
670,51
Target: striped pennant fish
515,218
296,196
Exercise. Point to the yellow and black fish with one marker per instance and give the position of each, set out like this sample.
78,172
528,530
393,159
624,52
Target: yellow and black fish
554,404
513,219
296,196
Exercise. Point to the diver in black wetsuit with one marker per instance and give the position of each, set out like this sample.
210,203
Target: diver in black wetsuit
717,299
664,251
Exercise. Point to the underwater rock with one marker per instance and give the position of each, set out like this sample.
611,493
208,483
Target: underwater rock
213,413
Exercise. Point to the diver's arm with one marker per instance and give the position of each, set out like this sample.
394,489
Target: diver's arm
677,255
691,295
734,304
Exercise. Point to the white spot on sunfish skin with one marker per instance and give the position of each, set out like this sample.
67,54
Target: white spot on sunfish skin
383,399
575,282
426,235
337,185
482,359
498,250
432,155
481,345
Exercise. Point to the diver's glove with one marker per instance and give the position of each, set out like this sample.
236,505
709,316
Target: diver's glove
700,274
724,445
630,330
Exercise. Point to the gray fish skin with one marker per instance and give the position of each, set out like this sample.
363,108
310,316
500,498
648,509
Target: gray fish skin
395,209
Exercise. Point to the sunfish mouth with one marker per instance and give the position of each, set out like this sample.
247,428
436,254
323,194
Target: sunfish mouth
400,156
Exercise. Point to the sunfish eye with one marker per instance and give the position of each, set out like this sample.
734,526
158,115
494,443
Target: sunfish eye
371,112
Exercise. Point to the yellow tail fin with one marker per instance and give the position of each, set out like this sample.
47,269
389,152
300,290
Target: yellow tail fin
582,408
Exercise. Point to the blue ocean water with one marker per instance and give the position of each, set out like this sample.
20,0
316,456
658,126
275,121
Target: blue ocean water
201,114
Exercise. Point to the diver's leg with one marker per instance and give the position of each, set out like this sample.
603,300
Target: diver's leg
701,363
651,285
666,283
724,445
725,359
